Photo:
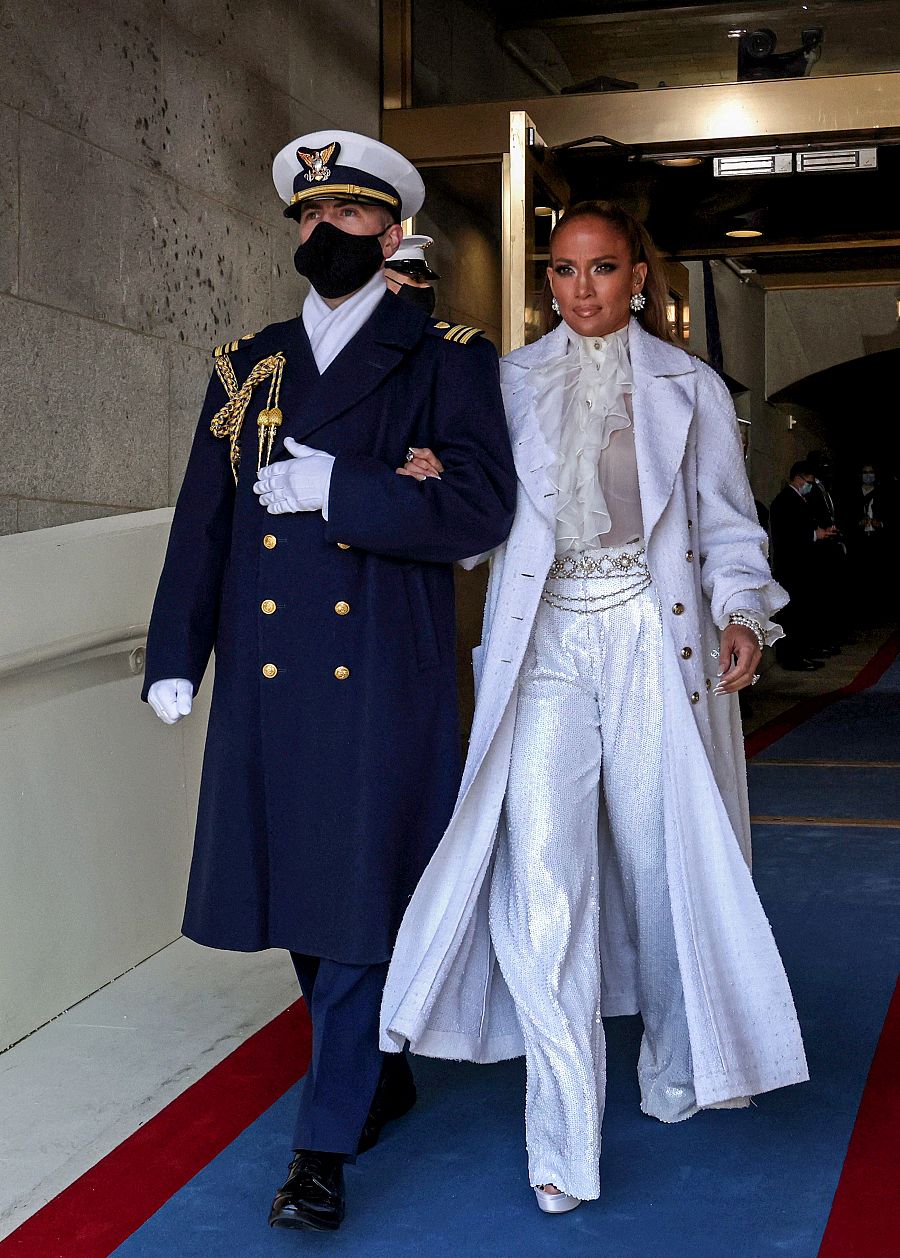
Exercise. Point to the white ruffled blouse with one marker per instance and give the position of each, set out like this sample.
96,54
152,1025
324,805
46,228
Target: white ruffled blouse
595,472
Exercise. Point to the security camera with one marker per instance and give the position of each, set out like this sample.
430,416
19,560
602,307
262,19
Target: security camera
757,58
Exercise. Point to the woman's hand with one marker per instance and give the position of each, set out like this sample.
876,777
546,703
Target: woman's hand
424,464
741,643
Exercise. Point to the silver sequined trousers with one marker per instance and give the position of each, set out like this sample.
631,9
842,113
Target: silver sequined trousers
589,711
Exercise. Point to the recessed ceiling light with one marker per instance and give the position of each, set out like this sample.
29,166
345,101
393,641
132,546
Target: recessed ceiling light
743,233
543,211
678,161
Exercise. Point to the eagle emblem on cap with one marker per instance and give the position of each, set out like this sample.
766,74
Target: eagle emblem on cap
317,162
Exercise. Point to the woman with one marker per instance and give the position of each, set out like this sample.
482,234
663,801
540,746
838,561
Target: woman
597,858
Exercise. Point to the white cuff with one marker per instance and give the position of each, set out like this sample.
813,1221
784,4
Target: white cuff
326,484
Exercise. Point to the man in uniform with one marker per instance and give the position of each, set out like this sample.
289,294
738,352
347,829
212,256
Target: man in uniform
324,581
409,275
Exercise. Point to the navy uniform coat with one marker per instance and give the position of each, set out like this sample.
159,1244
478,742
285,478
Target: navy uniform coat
325,792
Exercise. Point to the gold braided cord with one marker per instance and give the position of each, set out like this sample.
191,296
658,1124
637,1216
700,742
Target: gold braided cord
324,191
228,421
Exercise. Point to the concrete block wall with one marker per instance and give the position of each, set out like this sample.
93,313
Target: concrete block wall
139,225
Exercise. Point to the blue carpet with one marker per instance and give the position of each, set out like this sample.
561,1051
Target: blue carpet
450,1180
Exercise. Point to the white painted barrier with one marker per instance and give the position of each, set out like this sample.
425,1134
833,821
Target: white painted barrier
97,796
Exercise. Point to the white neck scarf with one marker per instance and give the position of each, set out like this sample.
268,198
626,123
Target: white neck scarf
329,331
595,375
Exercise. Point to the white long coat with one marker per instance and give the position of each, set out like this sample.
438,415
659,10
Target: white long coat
445,992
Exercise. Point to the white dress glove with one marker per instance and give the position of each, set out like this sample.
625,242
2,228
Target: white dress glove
297,484
171,699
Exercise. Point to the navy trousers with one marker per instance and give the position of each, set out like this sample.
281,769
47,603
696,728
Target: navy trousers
344,1003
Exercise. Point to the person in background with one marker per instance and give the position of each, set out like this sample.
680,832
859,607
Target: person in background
869,528
795,536
831,577
409,275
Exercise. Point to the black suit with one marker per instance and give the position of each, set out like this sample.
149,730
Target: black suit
793,529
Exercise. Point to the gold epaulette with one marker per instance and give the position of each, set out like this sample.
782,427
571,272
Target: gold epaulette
461,333
230,346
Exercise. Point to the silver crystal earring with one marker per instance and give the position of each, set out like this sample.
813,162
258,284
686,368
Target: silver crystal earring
554,305
638,302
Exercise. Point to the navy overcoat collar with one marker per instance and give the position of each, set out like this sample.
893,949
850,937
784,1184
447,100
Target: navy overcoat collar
383,341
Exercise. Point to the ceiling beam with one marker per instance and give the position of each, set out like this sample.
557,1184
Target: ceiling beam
847,109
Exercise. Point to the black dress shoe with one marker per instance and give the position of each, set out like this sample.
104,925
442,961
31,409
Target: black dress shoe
312,1196
394,1097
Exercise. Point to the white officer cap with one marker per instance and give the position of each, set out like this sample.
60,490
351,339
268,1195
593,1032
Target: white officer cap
346,164
411,257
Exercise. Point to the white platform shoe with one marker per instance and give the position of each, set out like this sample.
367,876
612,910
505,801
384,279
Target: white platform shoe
555,1202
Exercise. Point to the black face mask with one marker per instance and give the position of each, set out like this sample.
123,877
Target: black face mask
424,298
337,263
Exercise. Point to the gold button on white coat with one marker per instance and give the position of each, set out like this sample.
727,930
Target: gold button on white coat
677,609
269,670
686,652
267,606
342,608
689,555
695,697
342,673
270,541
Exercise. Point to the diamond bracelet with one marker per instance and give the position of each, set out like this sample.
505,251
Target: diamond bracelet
753,625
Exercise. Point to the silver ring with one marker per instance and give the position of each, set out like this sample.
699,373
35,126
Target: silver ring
410,455
754,679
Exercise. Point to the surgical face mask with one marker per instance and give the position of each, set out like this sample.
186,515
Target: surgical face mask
806,488
868,478
424,298
336,262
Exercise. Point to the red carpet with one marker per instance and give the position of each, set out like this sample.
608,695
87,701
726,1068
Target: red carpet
865,1215
93,1216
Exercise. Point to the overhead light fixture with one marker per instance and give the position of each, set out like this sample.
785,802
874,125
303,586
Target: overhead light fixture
743,164
543,211
746,226
677,161
816,160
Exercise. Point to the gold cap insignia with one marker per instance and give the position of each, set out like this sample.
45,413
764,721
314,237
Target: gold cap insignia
318,162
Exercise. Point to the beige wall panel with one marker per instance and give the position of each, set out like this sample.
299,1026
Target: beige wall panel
8,516
223,125
211,274
92,425
189,373
92,69
94,258
335,62
287,288
96,832
39,513
255,34
811,330
9,199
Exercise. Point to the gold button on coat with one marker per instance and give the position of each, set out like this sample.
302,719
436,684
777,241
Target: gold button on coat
695,697
270,541
268,605
269,670
708,684
686,652
689,555
342,608
342,673
678,609
343,545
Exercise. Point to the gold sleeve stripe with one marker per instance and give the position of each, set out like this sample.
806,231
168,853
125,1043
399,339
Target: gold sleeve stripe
461,333
229,347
